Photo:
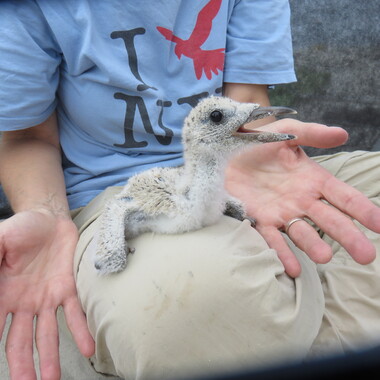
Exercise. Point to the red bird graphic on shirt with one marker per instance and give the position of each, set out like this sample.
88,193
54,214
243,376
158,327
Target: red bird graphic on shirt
206,61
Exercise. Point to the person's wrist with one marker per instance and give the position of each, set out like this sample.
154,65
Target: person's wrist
52,212
52,205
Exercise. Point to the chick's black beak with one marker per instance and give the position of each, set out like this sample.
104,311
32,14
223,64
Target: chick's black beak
262,136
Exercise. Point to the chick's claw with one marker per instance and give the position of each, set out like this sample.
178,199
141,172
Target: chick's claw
110,263
252,221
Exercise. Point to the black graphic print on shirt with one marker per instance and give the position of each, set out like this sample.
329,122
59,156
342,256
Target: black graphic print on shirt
204,61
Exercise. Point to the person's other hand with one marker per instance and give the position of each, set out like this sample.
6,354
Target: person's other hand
36,277
278,182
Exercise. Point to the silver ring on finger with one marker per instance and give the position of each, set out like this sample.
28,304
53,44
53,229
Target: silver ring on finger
292,221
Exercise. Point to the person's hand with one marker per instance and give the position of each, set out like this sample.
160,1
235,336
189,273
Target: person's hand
36,277
278,182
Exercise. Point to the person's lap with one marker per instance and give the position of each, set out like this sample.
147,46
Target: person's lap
206,300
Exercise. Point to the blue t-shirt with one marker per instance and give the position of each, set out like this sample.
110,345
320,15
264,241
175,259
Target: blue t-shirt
124,74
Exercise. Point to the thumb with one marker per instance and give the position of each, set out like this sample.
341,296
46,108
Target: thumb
7,245
18,236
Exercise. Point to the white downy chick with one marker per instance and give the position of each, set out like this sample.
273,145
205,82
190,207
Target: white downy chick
191,196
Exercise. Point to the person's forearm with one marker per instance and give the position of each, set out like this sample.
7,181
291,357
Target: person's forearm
249,93
30,169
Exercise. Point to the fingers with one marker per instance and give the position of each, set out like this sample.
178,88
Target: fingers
310,134
48,344
276,241
341,228
306,238
19,347
335,224
353,203
77,324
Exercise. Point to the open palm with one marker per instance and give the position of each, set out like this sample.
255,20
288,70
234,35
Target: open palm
36,277
278,182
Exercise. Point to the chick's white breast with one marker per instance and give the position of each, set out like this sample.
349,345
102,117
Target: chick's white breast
154,191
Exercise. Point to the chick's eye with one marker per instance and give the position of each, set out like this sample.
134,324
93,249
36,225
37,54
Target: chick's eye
216,116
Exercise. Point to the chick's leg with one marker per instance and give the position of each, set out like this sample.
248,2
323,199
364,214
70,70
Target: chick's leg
112,252
235,209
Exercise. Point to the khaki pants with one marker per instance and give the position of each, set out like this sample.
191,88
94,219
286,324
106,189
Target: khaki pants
218,299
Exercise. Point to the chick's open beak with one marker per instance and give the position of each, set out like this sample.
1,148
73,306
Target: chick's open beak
262,136
262,112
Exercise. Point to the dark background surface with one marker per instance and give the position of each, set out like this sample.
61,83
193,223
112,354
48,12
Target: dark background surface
337,57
